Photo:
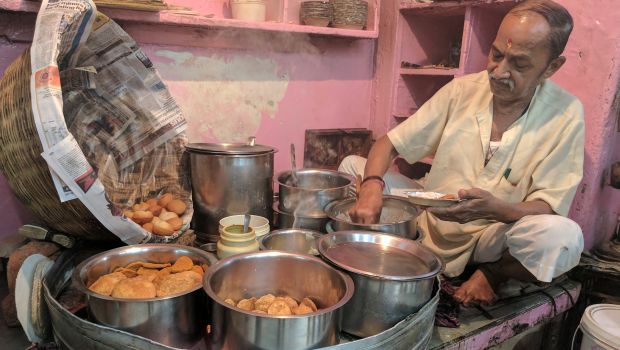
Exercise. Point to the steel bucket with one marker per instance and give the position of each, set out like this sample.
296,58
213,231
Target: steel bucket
229,179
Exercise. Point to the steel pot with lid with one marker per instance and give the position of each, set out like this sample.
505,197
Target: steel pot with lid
393,277
230,179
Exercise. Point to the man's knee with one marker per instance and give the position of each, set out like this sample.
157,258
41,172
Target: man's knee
352,165
551,231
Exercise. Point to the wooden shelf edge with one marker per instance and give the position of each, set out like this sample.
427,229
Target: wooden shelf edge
411,5
429,71
170,18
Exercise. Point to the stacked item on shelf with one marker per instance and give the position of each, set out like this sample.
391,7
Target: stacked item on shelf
140,5
316,13
350,14
249,10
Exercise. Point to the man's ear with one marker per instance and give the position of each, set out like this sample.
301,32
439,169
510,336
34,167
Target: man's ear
554,66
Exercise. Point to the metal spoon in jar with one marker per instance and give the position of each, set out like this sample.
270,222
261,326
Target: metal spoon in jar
294,180
246,223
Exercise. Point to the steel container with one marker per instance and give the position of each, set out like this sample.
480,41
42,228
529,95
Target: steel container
393,277
229,179
176,320
294,240
72,332
278,273
284,220
398,217
315,189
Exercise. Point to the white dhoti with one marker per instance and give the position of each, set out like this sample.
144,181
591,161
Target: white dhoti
546,245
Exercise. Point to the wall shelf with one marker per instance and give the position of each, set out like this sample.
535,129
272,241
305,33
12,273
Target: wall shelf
283,19
439,5
429,71
453,33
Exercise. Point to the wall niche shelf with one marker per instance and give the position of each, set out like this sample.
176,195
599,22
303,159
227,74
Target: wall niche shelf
429,71
281,16
454,35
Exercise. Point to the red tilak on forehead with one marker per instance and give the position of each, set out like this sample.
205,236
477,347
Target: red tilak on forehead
509,43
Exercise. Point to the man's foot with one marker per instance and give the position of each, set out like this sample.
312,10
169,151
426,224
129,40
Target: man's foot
476,289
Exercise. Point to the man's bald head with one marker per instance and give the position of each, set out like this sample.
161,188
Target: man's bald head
559,19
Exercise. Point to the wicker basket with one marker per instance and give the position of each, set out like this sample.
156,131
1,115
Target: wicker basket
25,170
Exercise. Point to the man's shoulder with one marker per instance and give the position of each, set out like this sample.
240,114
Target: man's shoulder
558,99
473,80
472,86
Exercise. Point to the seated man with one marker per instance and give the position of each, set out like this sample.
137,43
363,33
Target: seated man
507,141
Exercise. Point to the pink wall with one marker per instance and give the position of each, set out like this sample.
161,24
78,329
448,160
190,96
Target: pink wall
310,82
232,84
592,73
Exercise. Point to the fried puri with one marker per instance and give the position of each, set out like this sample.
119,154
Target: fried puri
134,288
106,283
137,264
178,282
279,308
182,264
246,304
198,269
292,303
302,309
309,303
264,302
149,280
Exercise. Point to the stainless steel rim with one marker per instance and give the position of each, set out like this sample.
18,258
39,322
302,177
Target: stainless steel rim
193,148
330,210
276,208
316,171
220,264
285,231
330,237
82,287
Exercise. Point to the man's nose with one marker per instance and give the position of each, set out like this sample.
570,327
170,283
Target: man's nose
501,71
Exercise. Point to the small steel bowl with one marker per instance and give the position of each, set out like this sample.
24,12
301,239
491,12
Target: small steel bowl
289,220
176,320
293,240
398,217
279,273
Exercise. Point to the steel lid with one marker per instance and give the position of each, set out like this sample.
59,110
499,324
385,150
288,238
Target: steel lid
229,148
379,255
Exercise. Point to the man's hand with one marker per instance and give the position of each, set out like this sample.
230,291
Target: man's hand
478,204
367,209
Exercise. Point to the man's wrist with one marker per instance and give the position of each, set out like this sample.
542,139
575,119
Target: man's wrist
374,179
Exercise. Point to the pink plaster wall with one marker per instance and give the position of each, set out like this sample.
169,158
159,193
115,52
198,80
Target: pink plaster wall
329,82
592,73
331,85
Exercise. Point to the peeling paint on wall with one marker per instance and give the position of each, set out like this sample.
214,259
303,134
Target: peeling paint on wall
223,99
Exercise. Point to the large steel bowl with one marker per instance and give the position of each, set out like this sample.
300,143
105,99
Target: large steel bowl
393,277
398,217
291,240
315,189
177,320
278,273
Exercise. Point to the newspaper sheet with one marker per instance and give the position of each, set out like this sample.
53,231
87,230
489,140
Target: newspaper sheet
129,108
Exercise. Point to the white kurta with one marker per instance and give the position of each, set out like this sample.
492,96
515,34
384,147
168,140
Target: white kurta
540,156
